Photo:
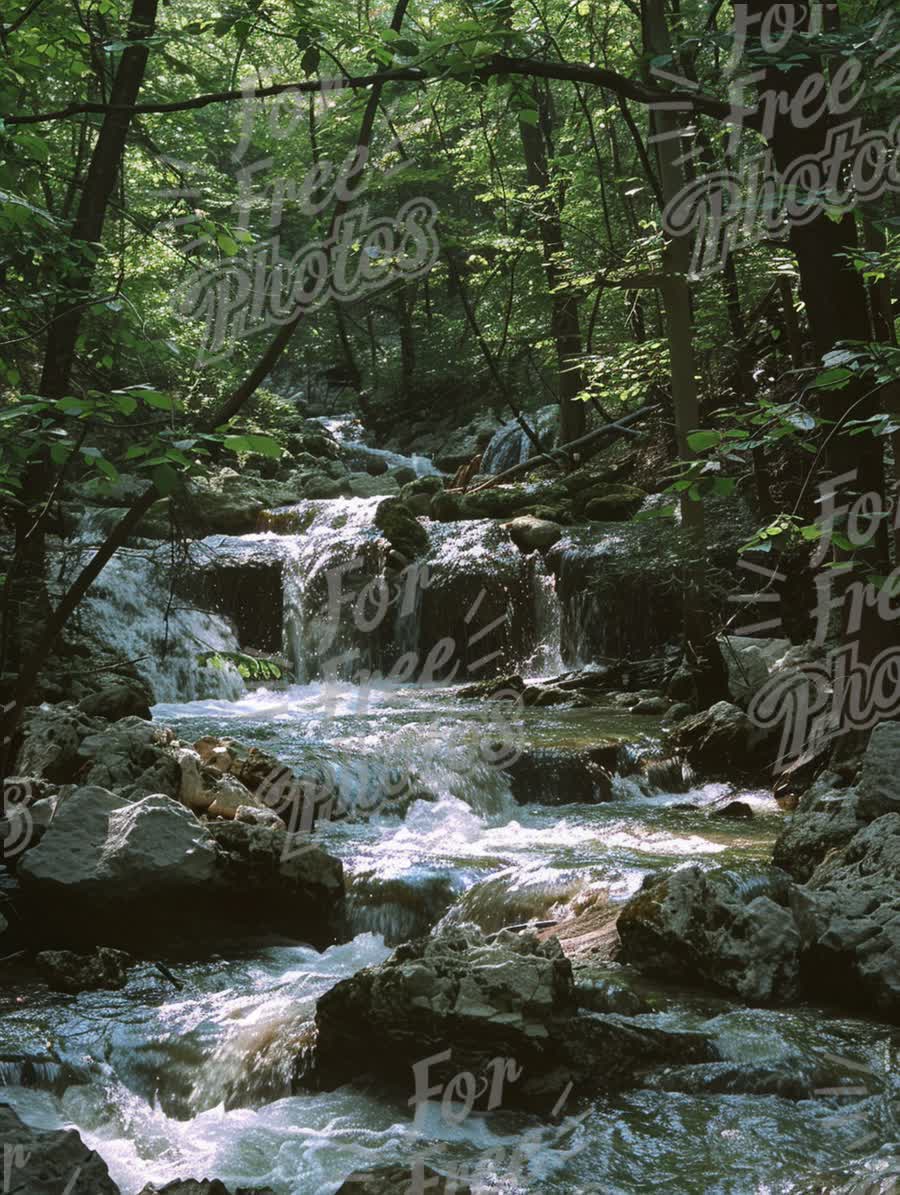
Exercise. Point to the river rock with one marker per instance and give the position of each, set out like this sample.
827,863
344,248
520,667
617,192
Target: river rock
533,535
749,663
460,1001
132,757
132,874
879,780
401,1180
848,915
734,811
723,738
607,501
401,528
706,927
49,1161
66,971
206,1186
279,882
126,698
362,485
63,745
826,818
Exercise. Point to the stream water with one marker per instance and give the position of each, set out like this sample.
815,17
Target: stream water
169,1083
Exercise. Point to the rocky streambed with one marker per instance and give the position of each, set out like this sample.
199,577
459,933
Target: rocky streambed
359,1005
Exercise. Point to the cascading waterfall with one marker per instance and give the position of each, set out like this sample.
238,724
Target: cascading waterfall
131,607
511,445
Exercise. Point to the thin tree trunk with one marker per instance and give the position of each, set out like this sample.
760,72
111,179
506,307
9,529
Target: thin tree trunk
701,650
563,304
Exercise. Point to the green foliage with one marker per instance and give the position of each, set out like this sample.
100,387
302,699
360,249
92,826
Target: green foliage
251,668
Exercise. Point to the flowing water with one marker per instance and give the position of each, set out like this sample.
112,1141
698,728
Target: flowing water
196,1081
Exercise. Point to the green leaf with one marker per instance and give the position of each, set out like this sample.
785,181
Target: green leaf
700,441
227,244
263,445
833,379
529,116
165,479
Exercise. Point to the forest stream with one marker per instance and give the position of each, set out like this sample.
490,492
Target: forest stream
197,1080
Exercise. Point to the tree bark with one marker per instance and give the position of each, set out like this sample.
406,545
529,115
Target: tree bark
564,321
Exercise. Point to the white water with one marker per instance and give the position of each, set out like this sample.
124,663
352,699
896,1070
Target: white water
197,1082
131,608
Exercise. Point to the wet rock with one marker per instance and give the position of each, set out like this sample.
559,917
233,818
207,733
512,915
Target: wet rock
206,1186
148,872
65,971
723,738
879,780
826,818
606,995
401,528
712,929
735,1078
49,1161
400,1180
119,699
848,915
734,811
533,535
609,502
230,503
457,1001
279,881
750,662
362,485
677,712
564,776
651,705
63,745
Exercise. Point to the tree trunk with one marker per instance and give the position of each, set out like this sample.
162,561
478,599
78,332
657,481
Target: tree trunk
564,322
700,648
832,290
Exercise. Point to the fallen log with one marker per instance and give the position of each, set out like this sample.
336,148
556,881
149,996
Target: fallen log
563,455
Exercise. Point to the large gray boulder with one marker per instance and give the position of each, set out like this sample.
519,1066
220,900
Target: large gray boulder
458,1001
722,739
279,881
712,928
849,921
132,757
49,1161
137,874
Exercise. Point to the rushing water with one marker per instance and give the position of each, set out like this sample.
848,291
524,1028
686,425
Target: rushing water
196,1081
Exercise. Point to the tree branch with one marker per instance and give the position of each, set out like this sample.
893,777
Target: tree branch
499,65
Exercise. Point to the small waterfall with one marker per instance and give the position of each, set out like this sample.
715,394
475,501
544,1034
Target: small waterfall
510,445
546,660
618,587
337,599
348,432
132,608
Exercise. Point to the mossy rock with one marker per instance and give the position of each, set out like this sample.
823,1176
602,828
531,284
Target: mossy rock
430,484
400,528
445,508
610,502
